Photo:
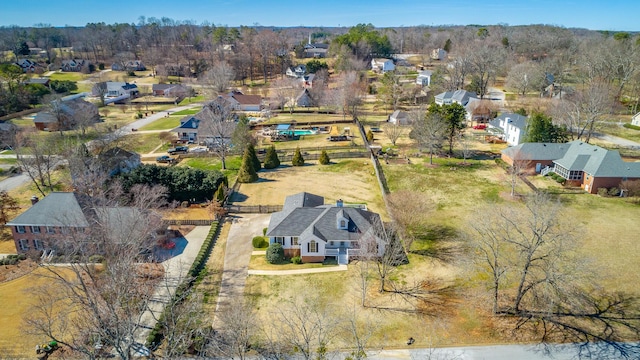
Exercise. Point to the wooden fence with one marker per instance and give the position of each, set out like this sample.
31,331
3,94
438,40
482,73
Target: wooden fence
253,209
188,222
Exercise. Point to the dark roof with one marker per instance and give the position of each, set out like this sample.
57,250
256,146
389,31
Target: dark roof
118,152
55,209
305,213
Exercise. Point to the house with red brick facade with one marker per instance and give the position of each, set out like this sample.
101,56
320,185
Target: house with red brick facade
315,231
588,166
66,219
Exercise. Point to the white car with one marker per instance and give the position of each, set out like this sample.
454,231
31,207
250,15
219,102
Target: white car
199,149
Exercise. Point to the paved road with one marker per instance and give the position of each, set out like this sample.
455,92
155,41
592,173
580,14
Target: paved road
617,140
13,182
237,256
177,264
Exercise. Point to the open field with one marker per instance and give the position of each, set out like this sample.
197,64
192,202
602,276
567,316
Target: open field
350,180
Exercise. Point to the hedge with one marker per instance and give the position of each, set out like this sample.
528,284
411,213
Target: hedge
156,335
629,126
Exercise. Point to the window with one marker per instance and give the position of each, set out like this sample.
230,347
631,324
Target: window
20,229
35,229
51,230
38,244
279,240
23,244
313,246
343,224
294,240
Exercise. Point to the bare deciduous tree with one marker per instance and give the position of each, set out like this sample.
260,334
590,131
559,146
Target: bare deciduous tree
429,130
392,132
305,324
539,280
85,303
39,160
218,77
217,126
236,329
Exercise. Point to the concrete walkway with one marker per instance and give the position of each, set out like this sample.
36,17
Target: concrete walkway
299,271
126,130
237,256
178,262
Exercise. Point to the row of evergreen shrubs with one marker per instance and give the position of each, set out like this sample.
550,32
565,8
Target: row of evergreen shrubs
629,126
614,191
13,259
559,179
195,272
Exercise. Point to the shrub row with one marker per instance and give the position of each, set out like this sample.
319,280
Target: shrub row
559,179
12,259
614,191
629,126
157,333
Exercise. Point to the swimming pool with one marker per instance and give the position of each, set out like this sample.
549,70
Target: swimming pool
298,132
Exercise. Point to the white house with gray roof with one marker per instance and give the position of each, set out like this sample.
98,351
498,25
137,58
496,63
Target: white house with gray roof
510,127
313,230
589,166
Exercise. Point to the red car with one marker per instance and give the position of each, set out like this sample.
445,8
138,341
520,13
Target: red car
480,127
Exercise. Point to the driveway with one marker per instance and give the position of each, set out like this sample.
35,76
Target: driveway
616,140
238,254
176,267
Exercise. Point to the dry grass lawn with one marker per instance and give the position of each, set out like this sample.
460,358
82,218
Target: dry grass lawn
350,180
16,302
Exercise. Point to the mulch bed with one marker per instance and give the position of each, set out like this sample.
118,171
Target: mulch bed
12,272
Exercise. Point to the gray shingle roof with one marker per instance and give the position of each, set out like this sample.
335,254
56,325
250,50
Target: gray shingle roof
55,209
304,214
536,151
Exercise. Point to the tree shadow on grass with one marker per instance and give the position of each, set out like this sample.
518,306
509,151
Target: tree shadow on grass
438,242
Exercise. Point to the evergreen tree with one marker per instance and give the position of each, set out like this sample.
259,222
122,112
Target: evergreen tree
247,174
271,160
540,128
369,136
254,158
297,160
324,158
220,193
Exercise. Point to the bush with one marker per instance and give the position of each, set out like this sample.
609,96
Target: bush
296,260
603,191
275,254
101,66
254,158
184,204
614,191
264,231
370,136
324,158
259,242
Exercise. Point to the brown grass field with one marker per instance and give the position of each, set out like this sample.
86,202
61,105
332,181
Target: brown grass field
350,180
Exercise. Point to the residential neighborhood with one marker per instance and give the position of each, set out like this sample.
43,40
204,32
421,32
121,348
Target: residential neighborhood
174,189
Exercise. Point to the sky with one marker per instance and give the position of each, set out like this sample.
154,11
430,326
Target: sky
612,15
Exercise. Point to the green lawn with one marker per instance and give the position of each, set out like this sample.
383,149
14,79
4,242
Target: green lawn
166,123
141,143
73,76
191,100
213,163
186,112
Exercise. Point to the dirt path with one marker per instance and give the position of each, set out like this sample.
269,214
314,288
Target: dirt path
237,256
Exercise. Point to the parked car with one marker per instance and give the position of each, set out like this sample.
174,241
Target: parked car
480,127
165,159
178,150
198,149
